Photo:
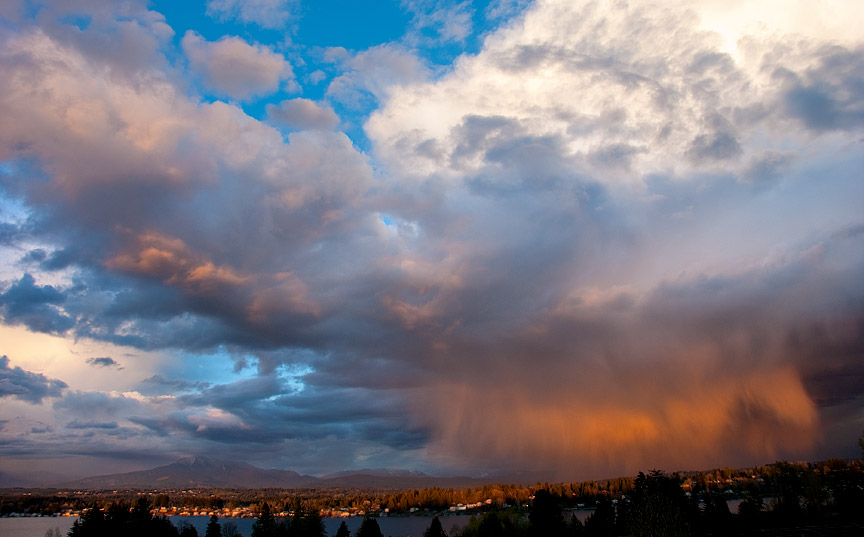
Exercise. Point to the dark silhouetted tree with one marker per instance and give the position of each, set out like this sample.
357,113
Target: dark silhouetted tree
601,523
369,528
435,529
266,525
495,524
545,516
120,519
847,491
716,515
658,507
789,483
751,505
229,529
91,523
214,529
343,530
188,530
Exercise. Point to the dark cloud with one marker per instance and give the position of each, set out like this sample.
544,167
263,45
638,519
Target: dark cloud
103,361
160,384
37,307
26,386
35,256
96,405
77,424
768,167
9,233
713,147
831,95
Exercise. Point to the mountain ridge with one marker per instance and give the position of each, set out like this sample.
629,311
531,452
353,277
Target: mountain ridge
206,472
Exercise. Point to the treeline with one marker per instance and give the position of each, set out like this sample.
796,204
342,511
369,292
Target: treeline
282,500
121,519
137,520
778,493
829,496
656,505
787,495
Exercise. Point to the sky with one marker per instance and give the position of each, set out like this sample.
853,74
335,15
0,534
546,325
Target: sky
574,238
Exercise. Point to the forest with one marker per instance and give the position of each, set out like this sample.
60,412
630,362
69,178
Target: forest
779,496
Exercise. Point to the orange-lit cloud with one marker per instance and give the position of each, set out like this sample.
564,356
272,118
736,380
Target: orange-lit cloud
169,259
590,424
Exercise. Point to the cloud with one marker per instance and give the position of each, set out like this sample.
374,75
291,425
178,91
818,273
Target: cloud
97,406
309,185
104,361
719,146
37,307
158,382
75,424
264,13
303,114
438,23
26,386
369,75
234,68
609,240
828,96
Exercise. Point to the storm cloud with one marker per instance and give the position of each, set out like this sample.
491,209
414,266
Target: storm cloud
615,237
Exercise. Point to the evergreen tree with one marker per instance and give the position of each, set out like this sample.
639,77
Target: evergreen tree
188,530
214,529
265,526
434,529
229,529
343,530
120,520
496,524
312,525
162,527
601,523
716,515
91,523
491,526
545,516
658,507
369,528
789,483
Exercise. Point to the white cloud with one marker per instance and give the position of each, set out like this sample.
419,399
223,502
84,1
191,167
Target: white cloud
438,22
264,13
303,114
374,72
233,67
657,87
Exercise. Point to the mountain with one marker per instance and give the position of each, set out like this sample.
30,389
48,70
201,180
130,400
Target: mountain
199,471
191,472
378,472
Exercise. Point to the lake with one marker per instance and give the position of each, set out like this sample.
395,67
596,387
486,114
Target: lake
409,526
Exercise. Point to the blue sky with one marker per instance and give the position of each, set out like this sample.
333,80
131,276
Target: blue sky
578,238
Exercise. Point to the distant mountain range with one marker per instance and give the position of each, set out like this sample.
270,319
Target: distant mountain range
191,472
